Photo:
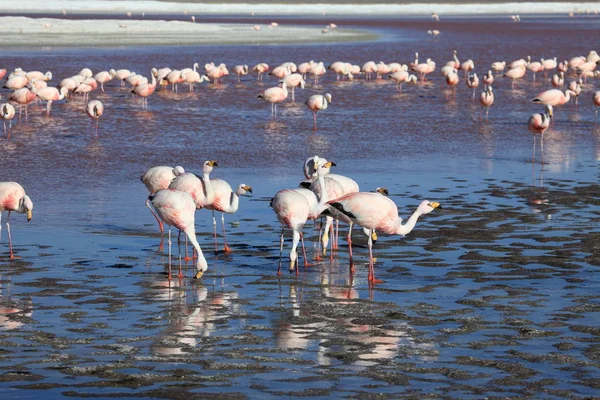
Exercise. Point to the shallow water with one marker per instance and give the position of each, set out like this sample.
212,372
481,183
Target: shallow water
495,295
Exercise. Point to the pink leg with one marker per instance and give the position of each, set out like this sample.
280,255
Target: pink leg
226,248
315,120
160,224
169,276
306,264
215,232
280,252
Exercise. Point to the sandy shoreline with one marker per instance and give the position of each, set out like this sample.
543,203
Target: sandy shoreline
258,8
23,31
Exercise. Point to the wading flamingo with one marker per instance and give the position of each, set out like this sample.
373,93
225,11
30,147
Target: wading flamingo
145,90
488,78
375,211
596,100
554,97
274,95
473,83
400,77
486,99
13,198
7,113
240,70
177,209
292,81
159,178
226,201
104,77
95,109
50,94
538,124
514,74
260,69
316,103
23,97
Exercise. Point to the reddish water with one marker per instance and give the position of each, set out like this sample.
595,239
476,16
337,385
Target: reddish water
89,210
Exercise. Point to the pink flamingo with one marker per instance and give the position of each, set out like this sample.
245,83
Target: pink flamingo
192,77
174,77
558,79
425,68
317,71
136,80
597,104
40,76
400,77
455,63
316,103
520,63
368,68
13,198
217,73
538,124
200,188
17,82
95,109
486,99
488,78
553,97
452,80
563,66
260,68
375,211
549,64
84,88
122,75
177,209
292,81
226,201
240,70
467,66
7,113
159,178
473,82
292,209
280,71
22,97
145,90
498,66
514,74
304,67
274,95
50,94
2,73
104,77
535,67
382,69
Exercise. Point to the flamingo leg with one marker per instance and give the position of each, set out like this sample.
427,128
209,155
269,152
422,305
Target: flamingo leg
215,231
293,262
337,234
180,275
169,276
12,255
349,239
280,252
5,132
315,120
372,279
226,248
160,224
306,263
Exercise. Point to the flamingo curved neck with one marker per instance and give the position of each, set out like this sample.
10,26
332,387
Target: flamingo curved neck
234,203
405,229
324,198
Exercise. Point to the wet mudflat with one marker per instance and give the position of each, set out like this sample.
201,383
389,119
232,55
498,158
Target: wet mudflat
496,295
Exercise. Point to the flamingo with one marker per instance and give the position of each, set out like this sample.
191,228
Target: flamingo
467,66
260,68
486,99
339,67
104,77
368,68
2,73
394,67
304,67
50,94
274,95
382,69
425,68
538,124
317,71
38,75
488,78
174,77
400,77
549,64
498,66
563,66
200,188
177,209
514,74
240,70
292,209
16,82
521,63
226,201
292,81
95,109
122,75
554,97
86,73
596,99
13,198
375,211
452,80
473,82
576,87
145,90
280,71
317,103
23,97
558,79
455,62
190,77
159,178
535,67
217,73
7,112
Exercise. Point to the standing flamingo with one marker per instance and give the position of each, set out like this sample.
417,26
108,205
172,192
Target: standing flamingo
274,95
576,87
473,82
514,74
316,103
13,198
292,81
554,97
240,70
488,78
95,109
375,211
104,77
486,99
23,97
50,94
122,75
177,209
535,67
317,71
400,77
7,113
145,90
538,124
293,209
226,201
260,69
597,104
159,178
200,188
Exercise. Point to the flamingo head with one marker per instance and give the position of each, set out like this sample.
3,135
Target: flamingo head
178,170
243,189
112,73
208,166
427,206
323,168
48,76
383,191
328,98
26,206
201,266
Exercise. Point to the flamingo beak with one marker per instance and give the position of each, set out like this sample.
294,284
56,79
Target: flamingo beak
248,188
330,164
199,275
29,215
213,163
292,266
435,204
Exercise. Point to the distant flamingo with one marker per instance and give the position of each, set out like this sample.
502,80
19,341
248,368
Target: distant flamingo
498,66
274,95
317,71
488,78
292,81
473,83
455,63
145,90
40,76
375,211
122,75
7,113
549,64
400,77
368,68
226,201
425,68
50,94
13,198
553,97
535,67
159,178
23,97
514,74
177,209
558,79
597,104
317,103
486,99
303,68
452,80
104,77
260,68
467,66
280,71
576,87
95,109
240,70
538,124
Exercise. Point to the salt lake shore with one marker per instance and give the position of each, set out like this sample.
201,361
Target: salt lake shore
24,32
